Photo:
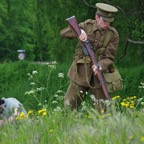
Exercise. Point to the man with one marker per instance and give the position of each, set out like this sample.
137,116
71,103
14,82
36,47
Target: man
10,108
104,40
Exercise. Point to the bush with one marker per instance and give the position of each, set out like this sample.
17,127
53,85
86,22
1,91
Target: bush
15,82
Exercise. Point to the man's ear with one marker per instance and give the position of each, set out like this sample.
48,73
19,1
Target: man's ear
97,17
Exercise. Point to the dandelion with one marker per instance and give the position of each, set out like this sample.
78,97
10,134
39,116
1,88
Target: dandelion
132,106
51,131
102,111
122,103
142,138
41,111
108,114
131,137
44,113
101,116
89,117
22,116
116,97
30,112
105,123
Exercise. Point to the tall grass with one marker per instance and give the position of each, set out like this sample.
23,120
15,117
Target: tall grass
67,127
41,88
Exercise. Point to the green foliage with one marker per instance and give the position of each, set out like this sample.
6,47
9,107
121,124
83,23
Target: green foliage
67,127
132,77
16,81
35,27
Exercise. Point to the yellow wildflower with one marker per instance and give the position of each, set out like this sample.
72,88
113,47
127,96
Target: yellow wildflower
101,116
108,114
22,116
30,112
44,113
89,117
116,97
122,103
51,131
142,138
41,111
134,96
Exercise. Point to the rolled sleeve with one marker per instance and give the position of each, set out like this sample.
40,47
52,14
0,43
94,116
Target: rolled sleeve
68,33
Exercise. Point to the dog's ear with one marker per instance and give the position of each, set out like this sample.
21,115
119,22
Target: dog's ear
2,101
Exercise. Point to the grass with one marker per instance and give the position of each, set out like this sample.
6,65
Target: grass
67,127
48,122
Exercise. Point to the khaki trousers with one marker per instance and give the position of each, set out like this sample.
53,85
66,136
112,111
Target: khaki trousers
75,95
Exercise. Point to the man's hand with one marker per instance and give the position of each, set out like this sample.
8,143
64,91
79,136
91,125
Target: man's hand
83,36
95,69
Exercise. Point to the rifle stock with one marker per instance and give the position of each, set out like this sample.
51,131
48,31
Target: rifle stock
74,25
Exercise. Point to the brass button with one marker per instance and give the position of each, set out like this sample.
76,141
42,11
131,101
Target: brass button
95,40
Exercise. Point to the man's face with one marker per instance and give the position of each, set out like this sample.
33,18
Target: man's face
101,23
1,108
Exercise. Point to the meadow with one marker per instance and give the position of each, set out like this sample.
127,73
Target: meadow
41,89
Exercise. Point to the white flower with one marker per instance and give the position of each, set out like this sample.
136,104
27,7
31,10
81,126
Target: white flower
92,97
52,66
142,83
54,102
40,89
59,91
29,92
81,91
61,75
28,74
140,99
34,72
57,109
54,62
40,104
32,83
56,95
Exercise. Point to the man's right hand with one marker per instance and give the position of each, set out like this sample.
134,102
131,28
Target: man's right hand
83,36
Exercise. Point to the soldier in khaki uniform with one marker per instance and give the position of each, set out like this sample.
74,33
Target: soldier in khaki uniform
104,40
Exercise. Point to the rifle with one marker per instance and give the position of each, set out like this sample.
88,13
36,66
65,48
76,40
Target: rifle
87,49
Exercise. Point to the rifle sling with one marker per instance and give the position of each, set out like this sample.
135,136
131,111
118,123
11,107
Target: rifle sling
97,85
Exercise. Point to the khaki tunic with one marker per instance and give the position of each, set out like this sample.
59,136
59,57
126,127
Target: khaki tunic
81,74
